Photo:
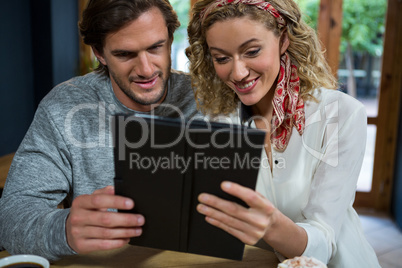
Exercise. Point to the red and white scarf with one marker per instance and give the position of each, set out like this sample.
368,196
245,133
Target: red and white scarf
288,106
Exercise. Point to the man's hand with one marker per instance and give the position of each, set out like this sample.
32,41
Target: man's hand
90,227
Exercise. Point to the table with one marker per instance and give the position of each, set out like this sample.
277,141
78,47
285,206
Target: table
134,256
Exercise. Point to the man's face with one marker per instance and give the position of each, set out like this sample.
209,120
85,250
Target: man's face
138,59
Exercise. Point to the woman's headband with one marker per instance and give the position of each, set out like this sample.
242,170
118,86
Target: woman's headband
258,3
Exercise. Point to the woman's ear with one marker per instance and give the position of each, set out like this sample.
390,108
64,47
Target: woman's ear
284,42
99,56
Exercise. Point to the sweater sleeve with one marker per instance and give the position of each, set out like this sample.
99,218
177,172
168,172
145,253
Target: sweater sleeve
334,184
39,179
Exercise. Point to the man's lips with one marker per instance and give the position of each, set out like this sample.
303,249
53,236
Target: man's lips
146,84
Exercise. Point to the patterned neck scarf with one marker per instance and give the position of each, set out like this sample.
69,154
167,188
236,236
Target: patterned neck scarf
258,3
288,107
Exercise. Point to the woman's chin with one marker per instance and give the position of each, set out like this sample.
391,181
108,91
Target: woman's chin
248,101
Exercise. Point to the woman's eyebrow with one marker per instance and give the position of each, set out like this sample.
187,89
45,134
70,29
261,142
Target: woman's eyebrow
241,46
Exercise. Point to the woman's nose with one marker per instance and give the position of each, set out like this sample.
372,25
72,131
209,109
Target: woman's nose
239,70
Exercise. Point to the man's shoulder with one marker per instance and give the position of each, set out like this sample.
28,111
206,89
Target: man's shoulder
85,92
180,85
180,77
87,82
86,88
180,95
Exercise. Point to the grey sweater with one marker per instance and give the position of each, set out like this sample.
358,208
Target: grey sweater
68,152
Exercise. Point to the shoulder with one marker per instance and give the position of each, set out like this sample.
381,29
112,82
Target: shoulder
326,96
77,90
82,93
180,79
180,85
181,94
334,104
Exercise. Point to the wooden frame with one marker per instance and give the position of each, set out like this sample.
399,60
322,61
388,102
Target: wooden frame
388,114
330,31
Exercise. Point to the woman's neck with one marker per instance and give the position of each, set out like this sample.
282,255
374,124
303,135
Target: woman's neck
264,107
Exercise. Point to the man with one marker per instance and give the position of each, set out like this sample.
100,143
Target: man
67,154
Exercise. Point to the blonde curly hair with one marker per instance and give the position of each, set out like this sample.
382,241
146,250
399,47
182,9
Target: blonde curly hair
213,95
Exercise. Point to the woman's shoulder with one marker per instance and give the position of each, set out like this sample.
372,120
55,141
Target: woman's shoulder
333,103
326,96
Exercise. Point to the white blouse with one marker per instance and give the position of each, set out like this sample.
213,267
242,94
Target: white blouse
313,181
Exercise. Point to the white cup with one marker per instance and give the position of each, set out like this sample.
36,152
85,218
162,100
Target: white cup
24,259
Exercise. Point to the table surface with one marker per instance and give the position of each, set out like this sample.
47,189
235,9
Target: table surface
134,256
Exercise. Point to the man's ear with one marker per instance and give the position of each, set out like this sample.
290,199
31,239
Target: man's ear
99,56
284,42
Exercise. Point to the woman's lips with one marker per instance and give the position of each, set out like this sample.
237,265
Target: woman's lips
246,86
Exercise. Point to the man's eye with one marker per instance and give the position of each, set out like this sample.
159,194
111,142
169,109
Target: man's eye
156,47
123,54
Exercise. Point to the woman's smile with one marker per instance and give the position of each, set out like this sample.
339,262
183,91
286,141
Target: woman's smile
246,87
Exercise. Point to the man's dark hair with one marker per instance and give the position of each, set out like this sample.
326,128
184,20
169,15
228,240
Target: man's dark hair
102,17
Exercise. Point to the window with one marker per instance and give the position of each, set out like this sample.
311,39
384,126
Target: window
180,42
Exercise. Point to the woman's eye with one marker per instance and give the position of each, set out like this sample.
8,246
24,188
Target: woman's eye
221,60
253,52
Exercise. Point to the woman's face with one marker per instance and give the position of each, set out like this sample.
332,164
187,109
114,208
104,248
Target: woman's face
246,56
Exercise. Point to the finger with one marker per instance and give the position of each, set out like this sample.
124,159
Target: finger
223,217
106,219
239,234
219,204
249,230
106,190
249,196
113,219
91,245
91,232
102,201
256,217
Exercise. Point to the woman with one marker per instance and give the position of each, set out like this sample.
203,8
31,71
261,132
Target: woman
262,55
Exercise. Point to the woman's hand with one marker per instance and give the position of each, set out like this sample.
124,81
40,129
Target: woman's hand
247,224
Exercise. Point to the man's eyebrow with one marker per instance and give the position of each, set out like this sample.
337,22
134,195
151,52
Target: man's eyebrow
160,42
241,46
119,51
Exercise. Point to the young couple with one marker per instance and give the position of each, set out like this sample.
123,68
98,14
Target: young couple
257,53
